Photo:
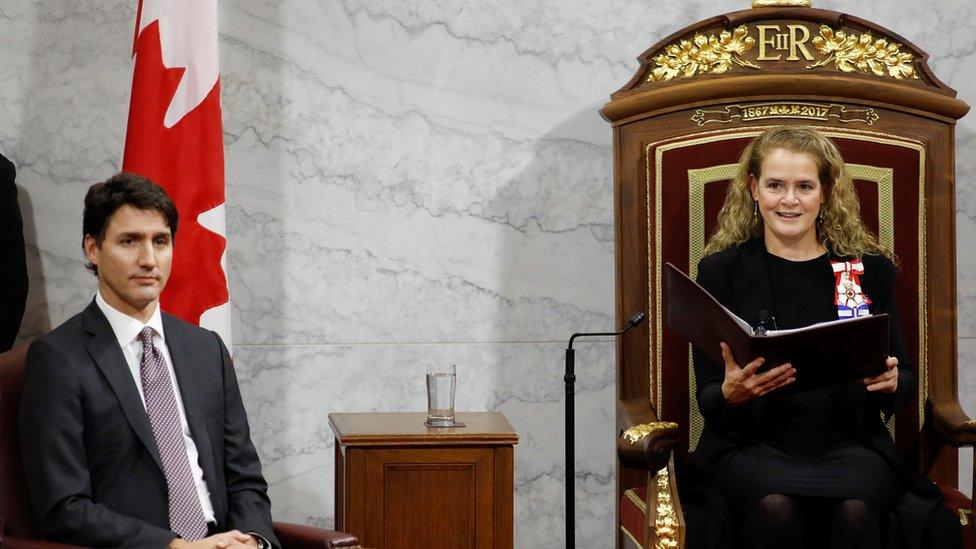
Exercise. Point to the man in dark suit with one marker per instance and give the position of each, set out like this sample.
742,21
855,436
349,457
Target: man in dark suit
13,259
132,426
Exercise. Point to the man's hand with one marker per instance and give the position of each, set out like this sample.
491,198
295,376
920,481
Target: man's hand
226,540
886,382
742,384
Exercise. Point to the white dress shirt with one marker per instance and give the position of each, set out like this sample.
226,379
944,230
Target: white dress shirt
127,331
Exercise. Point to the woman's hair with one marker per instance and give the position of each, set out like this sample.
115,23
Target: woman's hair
841,229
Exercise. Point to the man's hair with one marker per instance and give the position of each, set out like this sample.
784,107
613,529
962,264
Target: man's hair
840,228
105,198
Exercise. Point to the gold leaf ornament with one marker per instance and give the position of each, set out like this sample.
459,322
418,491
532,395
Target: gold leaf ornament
638,432
703,54
852,53
666,524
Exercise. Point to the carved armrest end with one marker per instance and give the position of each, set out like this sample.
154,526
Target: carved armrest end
643,441
952,422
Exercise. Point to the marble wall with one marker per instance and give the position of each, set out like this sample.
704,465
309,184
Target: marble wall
406,182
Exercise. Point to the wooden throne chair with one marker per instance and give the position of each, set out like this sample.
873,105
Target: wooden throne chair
679,125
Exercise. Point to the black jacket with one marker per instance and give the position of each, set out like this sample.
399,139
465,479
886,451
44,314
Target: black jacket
92,465
738,278
13,259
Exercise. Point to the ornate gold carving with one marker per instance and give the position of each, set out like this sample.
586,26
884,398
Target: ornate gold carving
781,3
638,433
720,53
789,109
964,516
853,53
666,524
970,423
704,54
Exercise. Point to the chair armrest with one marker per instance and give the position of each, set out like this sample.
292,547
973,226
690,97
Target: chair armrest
9,542
643,442
292,536
300,536
953,423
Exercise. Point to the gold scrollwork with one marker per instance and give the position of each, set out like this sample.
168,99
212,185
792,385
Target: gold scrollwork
637,433
853,53
964,516
808,111
666,525
704,54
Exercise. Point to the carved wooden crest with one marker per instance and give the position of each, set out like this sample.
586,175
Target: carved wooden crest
773,39
721,52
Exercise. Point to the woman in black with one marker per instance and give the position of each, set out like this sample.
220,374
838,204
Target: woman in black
817,466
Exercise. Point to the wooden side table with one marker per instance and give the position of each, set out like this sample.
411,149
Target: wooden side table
401,484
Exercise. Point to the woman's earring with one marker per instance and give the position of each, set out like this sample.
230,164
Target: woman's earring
820,217
755,211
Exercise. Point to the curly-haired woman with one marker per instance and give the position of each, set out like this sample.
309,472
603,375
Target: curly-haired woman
817,466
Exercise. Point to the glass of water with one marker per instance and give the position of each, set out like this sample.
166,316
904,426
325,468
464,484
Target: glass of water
441,382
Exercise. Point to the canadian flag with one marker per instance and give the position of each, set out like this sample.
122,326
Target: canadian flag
174,137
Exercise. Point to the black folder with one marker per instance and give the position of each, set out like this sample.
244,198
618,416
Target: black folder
823,354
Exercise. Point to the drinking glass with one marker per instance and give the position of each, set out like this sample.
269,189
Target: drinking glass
441,383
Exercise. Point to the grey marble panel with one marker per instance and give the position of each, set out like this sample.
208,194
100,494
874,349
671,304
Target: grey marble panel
289,391
967,398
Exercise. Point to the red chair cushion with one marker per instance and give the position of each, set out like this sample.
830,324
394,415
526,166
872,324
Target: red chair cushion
633,514
961,507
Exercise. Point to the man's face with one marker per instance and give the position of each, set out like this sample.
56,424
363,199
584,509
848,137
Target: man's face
133,260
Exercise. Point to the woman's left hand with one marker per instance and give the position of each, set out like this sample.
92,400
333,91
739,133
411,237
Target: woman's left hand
886,382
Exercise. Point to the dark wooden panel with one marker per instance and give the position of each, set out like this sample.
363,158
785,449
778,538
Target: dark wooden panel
504,497
431,505
450,490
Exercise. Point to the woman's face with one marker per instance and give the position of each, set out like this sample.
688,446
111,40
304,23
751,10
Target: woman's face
789,194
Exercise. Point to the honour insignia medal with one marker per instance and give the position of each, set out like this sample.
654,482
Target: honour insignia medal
850,300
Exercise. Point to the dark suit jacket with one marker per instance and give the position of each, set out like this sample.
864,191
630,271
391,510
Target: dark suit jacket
738,278
92,465
13,258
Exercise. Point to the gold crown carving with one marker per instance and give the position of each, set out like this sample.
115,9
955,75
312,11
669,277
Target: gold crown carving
781,3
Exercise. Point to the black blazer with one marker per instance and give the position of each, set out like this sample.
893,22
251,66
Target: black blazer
13,258
92,465
739,279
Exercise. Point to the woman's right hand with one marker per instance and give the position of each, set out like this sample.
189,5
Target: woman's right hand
742,384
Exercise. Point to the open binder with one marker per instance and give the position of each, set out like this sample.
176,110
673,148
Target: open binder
823,354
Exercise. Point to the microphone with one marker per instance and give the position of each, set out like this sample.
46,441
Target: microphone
633,322
766,321
637,319
570,379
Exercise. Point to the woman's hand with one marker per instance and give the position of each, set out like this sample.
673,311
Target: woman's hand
886,382
742,384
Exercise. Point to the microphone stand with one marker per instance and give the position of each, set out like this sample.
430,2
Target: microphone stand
570,379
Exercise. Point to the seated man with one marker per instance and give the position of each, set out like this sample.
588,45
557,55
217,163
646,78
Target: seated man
132,426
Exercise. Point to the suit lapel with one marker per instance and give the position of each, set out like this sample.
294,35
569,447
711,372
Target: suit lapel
104,349
191,389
